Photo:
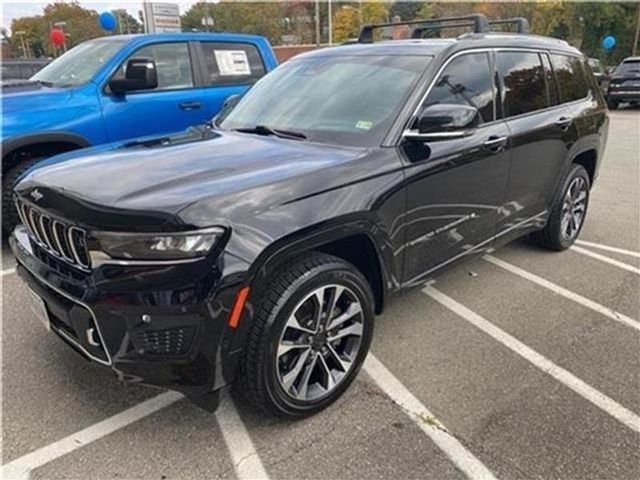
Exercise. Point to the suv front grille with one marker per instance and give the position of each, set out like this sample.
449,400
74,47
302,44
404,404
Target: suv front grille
57,237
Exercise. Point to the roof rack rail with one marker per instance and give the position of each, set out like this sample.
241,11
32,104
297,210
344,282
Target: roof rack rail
478,21
521,23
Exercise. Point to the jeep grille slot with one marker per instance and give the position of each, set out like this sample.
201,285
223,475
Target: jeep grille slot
57,237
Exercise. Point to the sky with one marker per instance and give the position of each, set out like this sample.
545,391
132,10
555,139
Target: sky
24,8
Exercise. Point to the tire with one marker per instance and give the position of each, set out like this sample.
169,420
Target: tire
560,233
612,104
9,215
266,372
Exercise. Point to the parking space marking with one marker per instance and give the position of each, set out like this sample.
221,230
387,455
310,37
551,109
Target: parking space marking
608,248
246,461
610,406
22,466
609,260
451,446
585,302
8,271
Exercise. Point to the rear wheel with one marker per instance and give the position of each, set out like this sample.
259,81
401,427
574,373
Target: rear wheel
568,212
310,334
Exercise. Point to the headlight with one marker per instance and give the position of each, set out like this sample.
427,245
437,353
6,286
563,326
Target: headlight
158,246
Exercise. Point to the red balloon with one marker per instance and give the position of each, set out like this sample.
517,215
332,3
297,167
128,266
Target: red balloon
57,37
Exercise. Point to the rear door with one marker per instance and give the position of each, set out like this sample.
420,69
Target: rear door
226,69
455,187
542,131
174,105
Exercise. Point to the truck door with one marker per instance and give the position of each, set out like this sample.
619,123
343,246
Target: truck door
175,104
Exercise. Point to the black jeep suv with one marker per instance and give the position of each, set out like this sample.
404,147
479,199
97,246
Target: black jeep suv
624,85
259,248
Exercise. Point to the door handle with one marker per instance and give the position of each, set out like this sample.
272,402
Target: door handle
564,123
189,105
495,144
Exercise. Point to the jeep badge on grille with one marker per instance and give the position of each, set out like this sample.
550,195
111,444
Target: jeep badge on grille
36,195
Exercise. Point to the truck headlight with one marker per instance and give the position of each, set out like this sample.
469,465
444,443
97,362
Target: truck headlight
158,246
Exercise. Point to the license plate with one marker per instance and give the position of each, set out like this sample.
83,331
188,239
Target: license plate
39,308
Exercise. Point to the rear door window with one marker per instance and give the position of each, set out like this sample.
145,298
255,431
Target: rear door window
552,88
466,80
231,63
523,81
572,84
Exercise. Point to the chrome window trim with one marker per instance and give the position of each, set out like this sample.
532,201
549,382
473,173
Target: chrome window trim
539,50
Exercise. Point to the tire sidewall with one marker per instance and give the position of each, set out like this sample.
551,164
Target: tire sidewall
330,273
575,172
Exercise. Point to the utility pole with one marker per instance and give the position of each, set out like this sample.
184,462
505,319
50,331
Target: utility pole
330,25
634,49
317,23
25,52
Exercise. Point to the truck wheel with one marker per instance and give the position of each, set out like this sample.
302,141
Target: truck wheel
568,212
612,104
311,331
9,215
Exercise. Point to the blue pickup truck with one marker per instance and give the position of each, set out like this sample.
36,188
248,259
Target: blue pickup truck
116,88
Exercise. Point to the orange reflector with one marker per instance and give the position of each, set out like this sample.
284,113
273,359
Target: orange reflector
238,307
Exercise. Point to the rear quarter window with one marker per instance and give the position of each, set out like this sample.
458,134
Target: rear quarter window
572,83
231,63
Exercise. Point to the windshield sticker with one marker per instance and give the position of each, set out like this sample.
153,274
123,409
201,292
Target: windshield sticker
232,62
364,125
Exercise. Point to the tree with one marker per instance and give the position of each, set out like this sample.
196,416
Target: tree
81,24
126,22
406,10
345,24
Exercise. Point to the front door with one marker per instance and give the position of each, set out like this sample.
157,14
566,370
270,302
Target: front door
455,187
173,106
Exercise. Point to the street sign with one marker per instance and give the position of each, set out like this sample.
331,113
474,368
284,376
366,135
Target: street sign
161,17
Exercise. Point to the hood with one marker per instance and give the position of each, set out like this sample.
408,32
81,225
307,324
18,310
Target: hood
151,177
25,95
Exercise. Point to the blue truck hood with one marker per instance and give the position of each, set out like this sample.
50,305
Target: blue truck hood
24,95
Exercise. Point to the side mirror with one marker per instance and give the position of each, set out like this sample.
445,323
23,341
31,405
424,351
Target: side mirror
140,74
442,121
229,103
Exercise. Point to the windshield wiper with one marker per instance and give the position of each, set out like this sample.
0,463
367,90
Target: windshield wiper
278,132
42,82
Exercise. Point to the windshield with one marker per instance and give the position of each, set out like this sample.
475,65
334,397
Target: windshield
79,64
628,67
345,100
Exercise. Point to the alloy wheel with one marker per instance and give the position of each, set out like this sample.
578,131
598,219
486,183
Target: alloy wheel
319,343
574,208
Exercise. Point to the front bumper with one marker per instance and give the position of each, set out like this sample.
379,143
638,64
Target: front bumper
158,325
624,95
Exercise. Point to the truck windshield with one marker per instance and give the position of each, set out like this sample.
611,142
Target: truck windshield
346,100
79,64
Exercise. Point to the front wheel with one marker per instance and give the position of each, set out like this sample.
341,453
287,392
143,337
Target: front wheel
568,211
9,215
311,331
613,104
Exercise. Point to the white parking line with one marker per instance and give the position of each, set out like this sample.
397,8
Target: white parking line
21,467
621,251
246,462
609,260
585,302
452,448
8,271
600,400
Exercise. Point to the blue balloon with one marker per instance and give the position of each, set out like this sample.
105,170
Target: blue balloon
107,21
608,42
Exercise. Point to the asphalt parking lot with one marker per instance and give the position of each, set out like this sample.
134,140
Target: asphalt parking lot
524,364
